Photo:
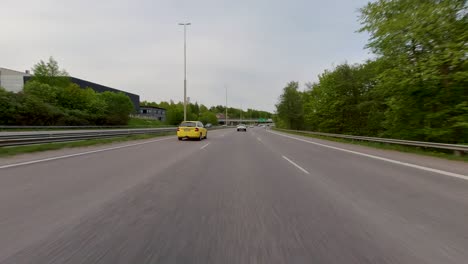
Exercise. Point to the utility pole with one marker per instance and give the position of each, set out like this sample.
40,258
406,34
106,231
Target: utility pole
226,117
185,67
241,114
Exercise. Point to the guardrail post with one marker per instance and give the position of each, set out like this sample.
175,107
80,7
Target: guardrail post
458,153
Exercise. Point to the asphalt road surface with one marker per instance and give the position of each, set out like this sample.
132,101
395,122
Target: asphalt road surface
254,197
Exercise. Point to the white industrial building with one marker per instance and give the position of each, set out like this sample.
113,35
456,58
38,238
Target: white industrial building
11,80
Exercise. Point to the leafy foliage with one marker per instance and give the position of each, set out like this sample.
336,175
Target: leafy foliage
118,107
208,117
175,112
50,98
415,89
8,106
290,106
50,73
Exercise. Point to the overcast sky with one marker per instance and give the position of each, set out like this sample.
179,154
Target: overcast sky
252,47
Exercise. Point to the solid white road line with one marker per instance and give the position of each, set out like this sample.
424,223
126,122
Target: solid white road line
205,146
80,154
447,173
295,164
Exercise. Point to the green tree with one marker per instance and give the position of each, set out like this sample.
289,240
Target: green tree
31,110
50,98
46,92
174,116
424,43
195,110
203,109
118,108
175,112
290,107
74,97
208,117
50,73
164,105
146,103
343,101
8,105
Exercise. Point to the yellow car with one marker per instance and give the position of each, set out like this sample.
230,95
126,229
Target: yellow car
192,129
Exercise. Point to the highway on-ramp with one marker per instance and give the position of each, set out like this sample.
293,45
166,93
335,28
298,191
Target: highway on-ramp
237,197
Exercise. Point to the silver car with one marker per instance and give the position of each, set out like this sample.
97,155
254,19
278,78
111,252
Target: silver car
242,127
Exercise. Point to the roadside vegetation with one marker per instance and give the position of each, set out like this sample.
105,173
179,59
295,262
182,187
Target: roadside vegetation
51,99
409,149
140,122
200,112
415,89
11,151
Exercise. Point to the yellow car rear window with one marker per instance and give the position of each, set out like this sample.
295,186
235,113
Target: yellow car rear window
188,124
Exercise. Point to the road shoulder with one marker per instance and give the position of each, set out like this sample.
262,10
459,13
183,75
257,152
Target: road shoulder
452,166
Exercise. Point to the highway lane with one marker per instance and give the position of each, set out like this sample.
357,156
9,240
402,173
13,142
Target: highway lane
252,197
68,131
39,198
424,211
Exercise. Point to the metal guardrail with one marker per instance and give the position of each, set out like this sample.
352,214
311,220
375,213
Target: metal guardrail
457,148
68,127
66,136
33,137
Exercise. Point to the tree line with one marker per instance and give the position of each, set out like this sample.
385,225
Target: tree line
200,112
416,88
50,98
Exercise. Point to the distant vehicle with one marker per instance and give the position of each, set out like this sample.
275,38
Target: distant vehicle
192,129
242,127
208,125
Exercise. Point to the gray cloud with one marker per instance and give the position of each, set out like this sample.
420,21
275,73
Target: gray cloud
252,47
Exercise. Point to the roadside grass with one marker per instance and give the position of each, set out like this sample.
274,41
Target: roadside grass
140,122
409,149
132,123
11,151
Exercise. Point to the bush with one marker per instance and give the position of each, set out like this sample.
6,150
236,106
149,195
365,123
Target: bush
118,108
50,98
208,117
45,92
7,107
75,118
174,116
33,111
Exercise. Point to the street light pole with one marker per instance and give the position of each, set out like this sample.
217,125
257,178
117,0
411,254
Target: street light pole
185,67
241,114
226,117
